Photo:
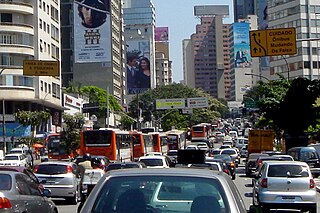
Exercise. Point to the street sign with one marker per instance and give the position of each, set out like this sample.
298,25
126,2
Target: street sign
249,104
177,103
273,42
187,111
199,102
41,68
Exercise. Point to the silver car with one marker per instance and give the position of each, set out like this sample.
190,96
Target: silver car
285,185
20,194
164,190
62,178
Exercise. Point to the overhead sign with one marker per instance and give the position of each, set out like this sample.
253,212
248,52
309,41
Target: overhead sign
199,102
187,111
177,103
41,68
273,42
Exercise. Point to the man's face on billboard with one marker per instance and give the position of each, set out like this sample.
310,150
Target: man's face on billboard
87,16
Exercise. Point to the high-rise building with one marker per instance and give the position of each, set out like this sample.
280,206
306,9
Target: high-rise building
226,61
93,55
243,8
139,34
305,18
207,50
30,30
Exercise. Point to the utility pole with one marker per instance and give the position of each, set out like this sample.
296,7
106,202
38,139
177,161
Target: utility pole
4,127
107,106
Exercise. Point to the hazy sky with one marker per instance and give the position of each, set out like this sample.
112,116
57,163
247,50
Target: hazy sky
178,16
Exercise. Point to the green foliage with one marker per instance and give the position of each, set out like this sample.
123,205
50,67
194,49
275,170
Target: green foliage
34,118
126,121
71,131
147,104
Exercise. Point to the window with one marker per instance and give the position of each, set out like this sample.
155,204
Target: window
40,23
41,85
6,17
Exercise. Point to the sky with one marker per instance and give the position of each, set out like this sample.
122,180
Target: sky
178,16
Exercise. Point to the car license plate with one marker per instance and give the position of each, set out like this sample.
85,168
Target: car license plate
288,197
55,153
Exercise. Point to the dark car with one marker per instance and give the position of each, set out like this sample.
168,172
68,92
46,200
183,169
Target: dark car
125,165
173,155
230,164
251,163
164,190
309,155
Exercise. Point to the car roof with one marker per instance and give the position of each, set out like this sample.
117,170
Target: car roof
56,162
166,172
285,163
14,154
125,163
153,157
13,168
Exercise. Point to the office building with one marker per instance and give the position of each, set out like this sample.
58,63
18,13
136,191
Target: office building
243,8
30,30
305,18
188,65
139,34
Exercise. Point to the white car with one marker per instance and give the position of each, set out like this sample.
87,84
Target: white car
192,147
153,154
155,161
15,160
203,146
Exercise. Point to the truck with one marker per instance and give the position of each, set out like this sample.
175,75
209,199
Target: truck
260,140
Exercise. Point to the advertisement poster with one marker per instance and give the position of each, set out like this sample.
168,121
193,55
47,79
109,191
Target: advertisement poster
242,44
138,66
92,35
161,34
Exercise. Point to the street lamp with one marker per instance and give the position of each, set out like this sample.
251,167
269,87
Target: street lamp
260,76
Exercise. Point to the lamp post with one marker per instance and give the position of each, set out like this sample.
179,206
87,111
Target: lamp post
260,76
3,121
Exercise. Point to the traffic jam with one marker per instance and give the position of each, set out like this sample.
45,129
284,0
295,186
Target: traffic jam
221,167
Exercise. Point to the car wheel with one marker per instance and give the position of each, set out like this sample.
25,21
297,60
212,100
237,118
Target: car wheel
73,200
233,177
265,209
313,209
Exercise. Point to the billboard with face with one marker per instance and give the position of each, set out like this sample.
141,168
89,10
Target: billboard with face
242,44
161,34
138,66
92,35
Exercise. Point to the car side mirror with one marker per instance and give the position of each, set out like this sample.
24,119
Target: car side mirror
46,192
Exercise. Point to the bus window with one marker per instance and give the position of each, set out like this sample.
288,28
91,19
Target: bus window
96,137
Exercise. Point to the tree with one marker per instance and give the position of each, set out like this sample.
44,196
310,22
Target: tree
71,131
171,117
32,118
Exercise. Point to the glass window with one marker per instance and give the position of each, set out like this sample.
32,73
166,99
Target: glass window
291,171
5,182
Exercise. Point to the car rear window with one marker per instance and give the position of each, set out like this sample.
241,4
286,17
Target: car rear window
172,153
288,171
152,162
52,169
11,158
229,152
5,182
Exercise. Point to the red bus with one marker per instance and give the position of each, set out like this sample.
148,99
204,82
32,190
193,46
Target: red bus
200,131
55,149
112,143
176,139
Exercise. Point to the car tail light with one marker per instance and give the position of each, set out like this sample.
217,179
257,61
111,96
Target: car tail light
232,164
5,203
259,162
312,184
69,169
36,169
264,183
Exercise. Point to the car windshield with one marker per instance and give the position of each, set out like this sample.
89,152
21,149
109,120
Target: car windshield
223,157
161,194
172,153
152,162
288,171
51,169
5,182
11,158
215,152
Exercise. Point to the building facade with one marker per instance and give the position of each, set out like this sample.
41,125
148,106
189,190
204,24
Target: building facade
304,16
30,30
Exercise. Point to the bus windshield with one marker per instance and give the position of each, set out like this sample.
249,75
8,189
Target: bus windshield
96,137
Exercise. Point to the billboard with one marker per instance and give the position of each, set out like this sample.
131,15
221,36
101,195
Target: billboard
92,34
161,34
241,36
138,66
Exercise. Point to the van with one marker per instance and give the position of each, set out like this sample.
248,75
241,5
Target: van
241,142
309,155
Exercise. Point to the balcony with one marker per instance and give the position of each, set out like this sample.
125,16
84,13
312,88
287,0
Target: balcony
16,27
17,48
21,93
16,7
